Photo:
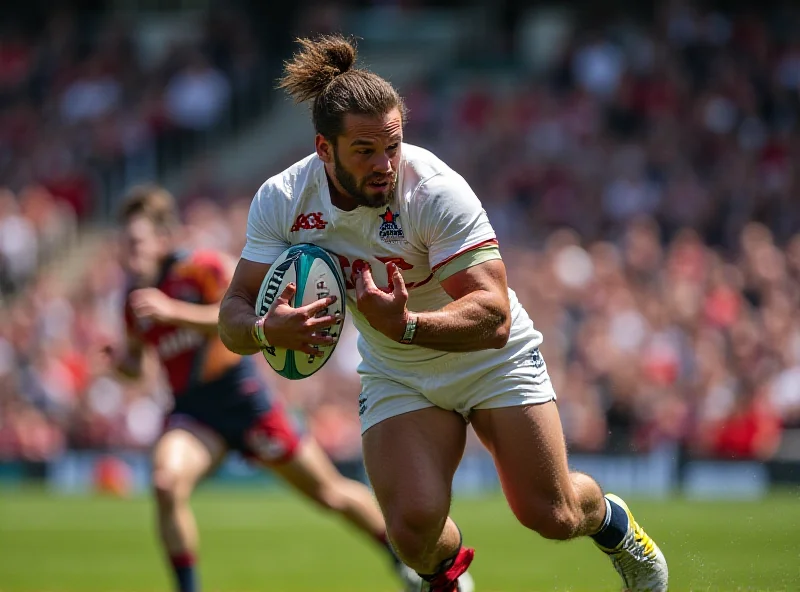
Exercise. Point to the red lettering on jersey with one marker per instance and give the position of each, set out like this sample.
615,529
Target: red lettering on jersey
359,264
311,221
345,263
399,261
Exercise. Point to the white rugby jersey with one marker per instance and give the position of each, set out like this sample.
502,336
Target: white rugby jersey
433,217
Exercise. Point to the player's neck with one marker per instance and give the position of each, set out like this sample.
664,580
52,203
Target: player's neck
339,198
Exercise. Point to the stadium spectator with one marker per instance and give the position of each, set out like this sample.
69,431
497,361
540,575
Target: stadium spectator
73,106
644,193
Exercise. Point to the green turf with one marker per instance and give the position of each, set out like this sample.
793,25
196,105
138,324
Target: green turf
273,543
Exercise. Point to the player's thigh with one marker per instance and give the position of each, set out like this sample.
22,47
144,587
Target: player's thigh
527,443
184,455
411,459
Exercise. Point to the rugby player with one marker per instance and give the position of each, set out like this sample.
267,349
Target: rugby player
221,403
443,339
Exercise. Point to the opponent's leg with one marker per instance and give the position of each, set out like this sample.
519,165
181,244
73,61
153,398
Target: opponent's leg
312,473
411,459
527,444
181,457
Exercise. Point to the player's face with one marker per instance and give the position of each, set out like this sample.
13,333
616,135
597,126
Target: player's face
143,250
366,157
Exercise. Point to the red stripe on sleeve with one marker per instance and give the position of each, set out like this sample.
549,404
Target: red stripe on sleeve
491,241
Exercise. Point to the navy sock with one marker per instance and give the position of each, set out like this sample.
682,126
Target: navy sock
183,567
443,566
614,527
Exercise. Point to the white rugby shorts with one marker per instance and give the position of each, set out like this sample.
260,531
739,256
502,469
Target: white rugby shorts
509,377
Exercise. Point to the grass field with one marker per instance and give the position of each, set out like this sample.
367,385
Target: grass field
275,543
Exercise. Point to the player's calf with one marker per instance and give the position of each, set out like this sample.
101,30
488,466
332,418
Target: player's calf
176,527
559,523
561,514
561,519
170,489
422,534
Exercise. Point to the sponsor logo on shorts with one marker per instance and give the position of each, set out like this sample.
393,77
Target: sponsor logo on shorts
537,359
265,447
362,404
532,359
390,230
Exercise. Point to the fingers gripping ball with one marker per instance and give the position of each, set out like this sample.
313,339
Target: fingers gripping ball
317,275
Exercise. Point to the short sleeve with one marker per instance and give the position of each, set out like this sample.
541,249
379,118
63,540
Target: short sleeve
265,240
450,218
211,274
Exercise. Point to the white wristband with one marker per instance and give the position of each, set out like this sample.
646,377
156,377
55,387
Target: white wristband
259,335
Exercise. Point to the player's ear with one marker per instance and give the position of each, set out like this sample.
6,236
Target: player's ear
324,149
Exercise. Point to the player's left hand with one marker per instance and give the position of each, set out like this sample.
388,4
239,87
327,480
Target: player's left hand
153,305
384,308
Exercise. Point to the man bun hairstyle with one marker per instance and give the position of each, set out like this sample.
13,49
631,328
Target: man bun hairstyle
322,71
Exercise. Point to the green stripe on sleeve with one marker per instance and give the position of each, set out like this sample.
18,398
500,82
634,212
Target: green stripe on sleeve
468,259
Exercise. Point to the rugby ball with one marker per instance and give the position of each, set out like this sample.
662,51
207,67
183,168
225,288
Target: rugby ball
317,274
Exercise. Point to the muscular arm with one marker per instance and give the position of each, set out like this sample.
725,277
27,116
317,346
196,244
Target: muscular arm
479,316
237,310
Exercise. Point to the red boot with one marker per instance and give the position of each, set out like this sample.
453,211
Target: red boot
455,577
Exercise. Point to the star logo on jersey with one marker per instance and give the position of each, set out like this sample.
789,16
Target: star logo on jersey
390,230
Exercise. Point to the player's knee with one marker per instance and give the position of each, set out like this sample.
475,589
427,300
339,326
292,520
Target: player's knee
551,521
414,527
170,489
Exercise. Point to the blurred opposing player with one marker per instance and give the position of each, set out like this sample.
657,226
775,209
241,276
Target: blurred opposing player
221,403
442,342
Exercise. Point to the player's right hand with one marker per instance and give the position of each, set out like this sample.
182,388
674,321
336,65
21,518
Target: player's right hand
300,329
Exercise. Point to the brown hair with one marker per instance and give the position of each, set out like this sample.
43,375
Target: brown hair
322,70
151,201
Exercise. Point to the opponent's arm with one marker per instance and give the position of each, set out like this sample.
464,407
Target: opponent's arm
478,318
153,304
283,326
128,362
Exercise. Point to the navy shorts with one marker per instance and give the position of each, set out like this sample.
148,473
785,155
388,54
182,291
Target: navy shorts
237,406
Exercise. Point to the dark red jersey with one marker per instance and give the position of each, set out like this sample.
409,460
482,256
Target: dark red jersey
191,358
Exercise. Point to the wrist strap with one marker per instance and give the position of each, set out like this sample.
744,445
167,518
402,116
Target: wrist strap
411,329
258,333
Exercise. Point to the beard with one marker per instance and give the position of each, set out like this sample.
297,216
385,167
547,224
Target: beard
359,190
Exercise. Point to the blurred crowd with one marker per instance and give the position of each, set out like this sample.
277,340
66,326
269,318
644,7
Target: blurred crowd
645,196
82,93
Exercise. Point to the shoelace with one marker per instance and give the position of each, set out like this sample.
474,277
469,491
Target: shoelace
628,559
642,539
